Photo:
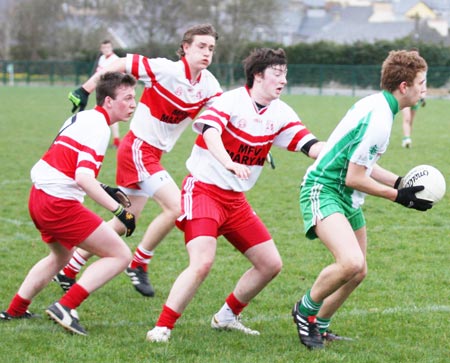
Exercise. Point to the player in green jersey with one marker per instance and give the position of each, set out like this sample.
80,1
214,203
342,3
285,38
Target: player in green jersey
334,187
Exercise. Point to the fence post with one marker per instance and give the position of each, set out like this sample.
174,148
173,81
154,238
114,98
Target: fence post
52,73
27,67
320,79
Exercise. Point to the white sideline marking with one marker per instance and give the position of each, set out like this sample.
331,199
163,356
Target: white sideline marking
260,318
15,181
16,222
361,312
403,310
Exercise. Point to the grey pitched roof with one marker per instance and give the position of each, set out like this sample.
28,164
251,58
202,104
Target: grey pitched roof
351,24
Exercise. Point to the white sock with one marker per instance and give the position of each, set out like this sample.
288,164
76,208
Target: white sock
225,314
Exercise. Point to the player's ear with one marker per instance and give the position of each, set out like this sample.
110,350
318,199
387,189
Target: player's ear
402,87
108,102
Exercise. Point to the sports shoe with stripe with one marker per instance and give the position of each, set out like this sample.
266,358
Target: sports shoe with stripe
139,278
159,334
406,142
329,336
307,329
64,281
67,318
234,324
28,315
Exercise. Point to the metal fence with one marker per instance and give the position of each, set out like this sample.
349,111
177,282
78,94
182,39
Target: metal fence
302,78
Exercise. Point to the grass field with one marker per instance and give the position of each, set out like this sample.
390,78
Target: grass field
400,313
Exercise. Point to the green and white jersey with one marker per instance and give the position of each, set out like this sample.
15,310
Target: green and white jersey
361,137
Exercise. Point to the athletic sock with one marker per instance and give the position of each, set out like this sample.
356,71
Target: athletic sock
168,317
309,307
323,324
141,258
74,297
74,266
18,306
230,309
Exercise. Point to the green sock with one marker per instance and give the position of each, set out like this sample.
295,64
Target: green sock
309,307
323,324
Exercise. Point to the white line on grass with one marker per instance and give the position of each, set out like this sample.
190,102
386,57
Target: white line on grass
259,318
15,181
16,222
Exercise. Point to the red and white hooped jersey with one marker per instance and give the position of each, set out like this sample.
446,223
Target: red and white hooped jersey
169,101
79,148
247,134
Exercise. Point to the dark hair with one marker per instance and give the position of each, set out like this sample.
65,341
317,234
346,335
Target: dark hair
188,37
109,83
260,59
401,66
106,41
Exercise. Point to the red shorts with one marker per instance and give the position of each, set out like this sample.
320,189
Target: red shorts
136,161
208,210
61,220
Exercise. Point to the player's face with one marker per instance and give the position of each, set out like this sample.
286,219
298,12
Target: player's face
200,52
123,106
417,89
106,49
273,81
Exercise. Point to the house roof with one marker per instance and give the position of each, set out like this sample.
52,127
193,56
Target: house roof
351,23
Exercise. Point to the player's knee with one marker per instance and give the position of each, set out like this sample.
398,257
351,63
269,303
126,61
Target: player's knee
174,212
353,267
361,275
202,269
275,267
123,256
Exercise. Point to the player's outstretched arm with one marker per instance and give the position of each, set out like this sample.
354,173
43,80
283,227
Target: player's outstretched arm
117,66
384,176
357,179
315,149
215,145
80,96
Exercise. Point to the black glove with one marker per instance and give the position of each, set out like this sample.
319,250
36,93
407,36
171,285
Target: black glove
79,98
117,195
126,218
407,197
397,182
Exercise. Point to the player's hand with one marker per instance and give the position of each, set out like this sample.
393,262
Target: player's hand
79,98
240,170
118,195
407,198
127,219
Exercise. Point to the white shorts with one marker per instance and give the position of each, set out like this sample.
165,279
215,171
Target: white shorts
149,186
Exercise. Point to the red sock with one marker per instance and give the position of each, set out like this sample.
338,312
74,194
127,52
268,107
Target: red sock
168,317
18,306
235,305
141,258
74,297
74,266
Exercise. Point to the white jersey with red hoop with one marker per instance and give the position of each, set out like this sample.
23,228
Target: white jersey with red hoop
79,148
105,61
169,101
247,134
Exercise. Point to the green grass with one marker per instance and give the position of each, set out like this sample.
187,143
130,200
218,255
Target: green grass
400,313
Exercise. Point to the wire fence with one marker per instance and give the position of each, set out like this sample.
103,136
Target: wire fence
302,78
